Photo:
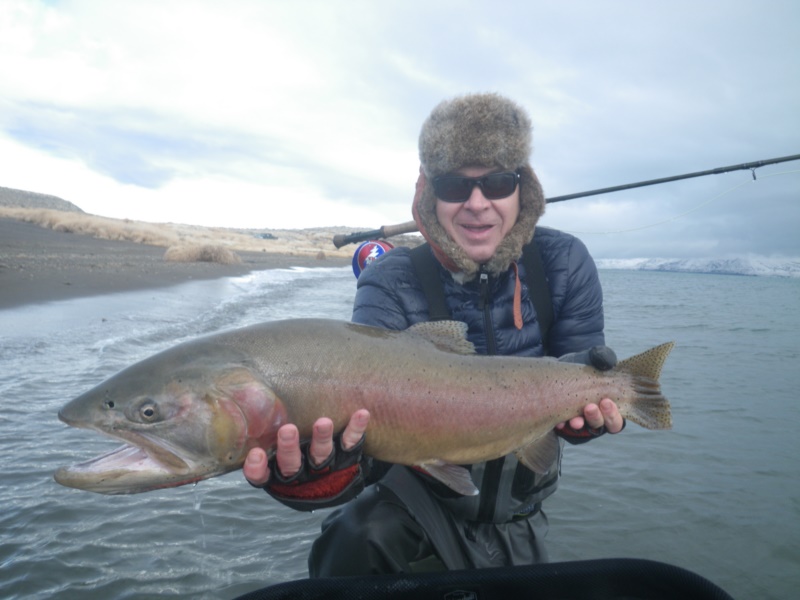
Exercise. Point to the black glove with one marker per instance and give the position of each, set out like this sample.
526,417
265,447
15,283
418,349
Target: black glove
339,479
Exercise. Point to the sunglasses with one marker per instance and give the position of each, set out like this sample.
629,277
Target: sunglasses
455,188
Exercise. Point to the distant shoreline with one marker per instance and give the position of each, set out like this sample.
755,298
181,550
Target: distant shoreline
38,264
67,256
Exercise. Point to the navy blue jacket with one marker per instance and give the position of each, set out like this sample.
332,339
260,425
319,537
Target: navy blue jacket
390,296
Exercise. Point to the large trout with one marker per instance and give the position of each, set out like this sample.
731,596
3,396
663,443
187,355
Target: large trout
195,410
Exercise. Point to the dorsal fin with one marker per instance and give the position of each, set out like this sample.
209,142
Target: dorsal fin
449,336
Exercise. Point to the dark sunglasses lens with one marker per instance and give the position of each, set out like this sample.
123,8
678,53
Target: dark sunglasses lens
499,185
459,189
453,189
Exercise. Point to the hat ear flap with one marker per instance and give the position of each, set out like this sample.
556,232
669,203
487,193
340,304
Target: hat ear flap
532,202
531,207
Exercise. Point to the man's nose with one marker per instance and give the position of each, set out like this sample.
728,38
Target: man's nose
476,200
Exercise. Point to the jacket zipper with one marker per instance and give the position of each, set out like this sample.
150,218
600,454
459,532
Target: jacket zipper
494,468
486,308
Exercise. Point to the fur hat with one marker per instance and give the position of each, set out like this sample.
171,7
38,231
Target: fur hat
477,130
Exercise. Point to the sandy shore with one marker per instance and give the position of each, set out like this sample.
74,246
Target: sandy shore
38,264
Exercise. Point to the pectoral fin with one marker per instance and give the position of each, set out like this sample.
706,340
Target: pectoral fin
540,454
456,478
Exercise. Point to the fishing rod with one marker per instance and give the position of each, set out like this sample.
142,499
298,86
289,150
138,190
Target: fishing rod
386,231
743,167
411,226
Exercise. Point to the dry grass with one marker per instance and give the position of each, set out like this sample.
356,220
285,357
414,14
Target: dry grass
293,242
206,253
94,226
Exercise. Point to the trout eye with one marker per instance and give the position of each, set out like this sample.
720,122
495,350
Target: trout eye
148,411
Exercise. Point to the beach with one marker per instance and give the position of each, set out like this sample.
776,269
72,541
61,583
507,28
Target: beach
39,264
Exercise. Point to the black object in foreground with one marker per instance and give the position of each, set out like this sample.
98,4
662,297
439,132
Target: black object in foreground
606,579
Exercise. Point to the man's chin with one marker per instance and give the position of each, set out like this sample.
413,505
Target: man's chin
479,253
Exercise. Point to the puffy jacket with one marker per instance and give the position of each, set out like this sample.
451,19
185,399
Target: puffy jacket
389,295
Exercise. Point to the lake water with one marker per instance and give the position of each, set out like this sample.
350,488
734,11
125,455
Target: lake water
719,494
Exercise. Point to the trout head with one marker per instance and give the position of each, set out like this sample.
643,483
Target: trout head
187,414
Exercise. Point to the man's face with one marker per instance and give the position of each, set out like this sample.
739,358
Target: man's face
478,225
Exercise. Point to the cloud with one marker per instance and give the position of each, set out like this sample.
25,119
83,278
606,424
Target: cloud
719,216
307,114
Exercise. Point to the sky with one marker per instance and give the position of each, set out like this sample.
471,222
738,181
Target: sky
268,114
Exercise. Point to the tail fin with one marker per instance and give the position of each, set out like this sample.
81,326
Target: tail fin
649,408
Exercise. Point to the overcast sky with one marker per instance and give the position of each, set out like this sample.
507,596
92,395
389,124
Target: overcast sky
250,113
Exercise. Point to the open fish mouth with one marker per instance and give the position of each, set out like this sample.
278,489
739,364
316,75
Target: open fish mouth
139,464
126,458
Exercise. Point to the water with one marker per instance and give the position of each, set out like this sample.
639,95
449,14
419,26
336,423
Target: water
719,494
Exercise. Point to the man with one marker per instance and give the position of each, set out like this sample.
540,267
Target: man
477,204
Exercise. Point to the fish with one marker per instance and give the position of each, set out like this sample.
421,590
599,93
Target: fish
195,410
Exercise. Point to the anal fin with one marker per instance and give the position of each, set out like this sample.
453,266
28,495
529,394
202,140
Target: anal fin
540,454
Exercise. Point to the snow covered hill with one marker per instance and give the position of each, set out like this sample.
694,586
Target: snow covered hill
753,266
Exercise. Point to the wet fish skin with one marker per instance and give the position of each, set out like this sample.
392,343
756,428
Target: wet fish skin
195,410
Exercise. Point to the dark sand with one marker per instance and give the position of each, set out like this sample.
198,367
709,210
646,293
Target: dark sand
41,265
